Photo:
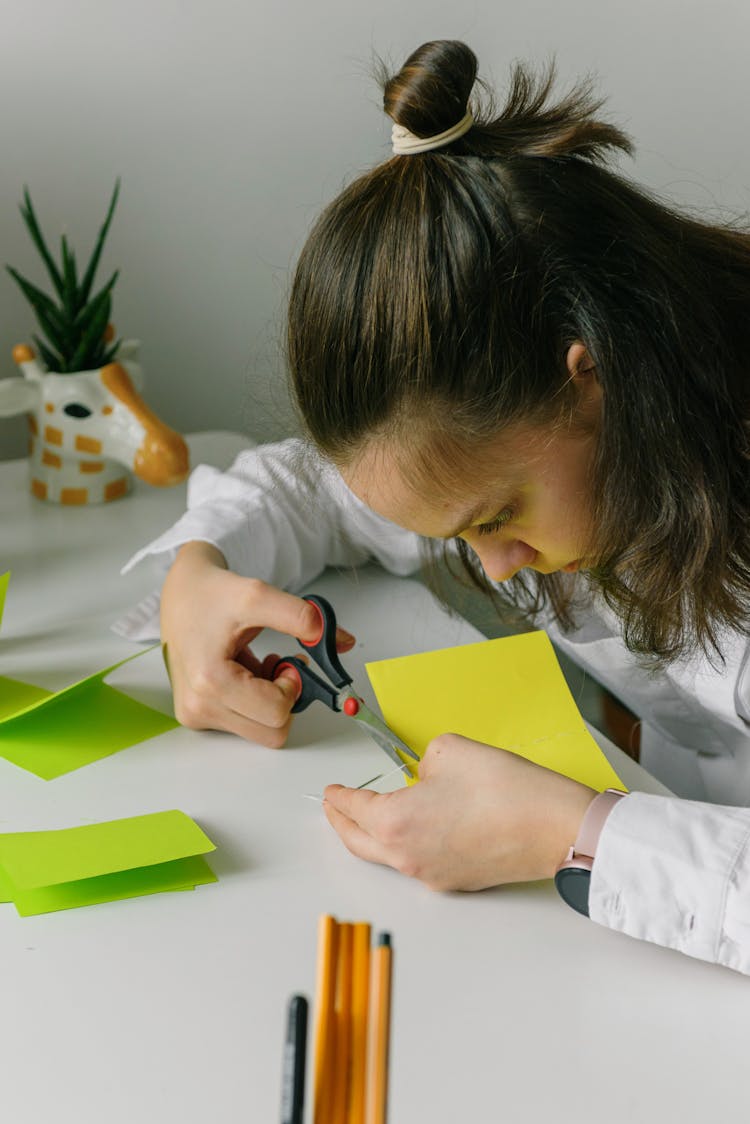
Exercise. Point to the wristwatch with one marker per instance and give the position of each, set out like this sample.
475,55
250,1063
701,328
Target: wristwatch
573,876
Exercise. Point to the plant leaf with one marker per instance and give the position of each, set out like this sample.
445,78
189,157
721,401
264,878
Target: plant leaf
56,340
89,348
88,277
86,315
38,299
30,219
70,281
53,362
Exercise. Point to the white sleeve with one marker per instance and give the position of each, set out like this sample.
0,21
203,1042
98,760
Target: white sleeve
280,513
676,872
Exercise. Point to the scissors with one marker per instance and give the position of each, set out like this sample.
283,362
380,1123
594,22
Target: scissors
341,696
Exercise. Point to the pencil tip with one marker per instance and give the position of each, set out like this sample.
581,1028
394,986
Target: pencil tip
384,939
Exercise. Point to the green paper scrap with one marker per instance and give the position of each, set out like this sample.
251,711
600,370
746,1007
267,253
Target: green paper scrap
45,871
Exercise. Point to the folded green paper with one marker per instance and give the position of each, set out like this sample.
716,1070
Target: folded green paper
51,733
45,871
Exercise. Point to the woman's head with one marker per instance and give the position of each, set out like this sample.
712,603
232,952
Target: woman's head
453,303
518,498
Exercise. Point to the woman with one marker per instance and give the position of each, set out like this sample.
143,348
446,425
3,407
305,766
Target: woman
497,343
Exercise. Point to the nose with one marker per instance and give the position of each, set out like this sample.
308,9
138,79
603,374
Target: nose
501,558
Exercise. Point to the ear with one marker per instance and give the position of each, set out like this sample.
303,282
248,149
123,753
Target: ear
17,396
579,362
585,378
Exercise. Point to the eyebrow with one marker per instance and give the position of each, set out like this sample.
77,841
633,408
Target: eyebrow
468,520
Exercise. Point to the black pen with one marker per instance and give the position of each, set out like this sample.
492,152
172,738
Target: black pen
295,1051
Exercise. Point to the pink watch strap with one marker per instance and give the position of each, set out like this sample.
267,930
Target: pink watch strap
594,820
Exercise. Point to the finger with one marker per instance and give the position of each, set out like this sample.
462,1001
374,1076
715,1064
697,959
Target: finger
355,839
288,681
264,668
444,752
344,640
269,663
272,737
249,660
216,716
361,805
269,607
258,700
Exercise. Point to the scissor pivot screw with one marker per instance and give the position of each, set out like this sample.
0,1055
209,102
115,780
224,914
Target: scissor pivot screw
351,707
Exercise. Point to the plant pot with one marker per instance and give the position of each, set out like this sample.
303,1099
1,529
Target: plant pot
91,431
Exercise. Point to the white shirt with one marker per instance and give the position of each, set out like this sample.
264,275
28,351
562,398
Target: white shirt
673,871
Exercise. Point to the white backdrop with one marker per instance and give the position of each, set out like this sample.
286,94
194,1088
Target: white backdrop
231,124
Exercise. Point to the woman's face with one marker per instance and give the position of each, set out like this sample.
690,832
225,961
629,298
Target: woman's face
521,499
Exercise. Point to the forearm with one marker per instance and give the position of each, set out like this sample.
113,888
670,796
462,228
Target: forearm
677,873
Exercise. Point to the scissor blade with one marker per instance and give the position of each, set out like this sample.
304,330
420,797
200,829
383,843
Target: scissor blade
371,720
386,748
382,735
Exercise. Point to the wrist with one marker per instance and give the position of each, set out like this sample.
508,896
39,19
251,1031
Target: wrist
199,553
573,875
571,813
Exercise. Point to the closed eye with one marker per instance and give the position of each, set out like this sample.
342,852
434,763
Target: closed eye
497,523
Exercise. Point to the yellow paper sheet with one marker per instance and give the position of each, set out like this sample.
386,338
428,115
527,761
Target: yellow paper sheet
508,693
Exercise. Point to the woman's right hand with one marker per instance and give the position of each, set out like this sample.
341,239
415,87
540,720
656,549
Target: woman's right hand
208,618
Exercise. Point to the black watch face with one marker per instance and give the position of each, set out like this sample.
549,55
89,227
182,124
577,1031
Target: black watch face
573,887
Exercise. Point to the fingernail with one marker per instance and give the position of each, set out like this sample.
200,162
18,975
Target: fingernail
342,634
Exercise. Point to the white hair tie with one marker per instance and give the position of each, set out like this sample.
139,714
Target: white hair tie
407,144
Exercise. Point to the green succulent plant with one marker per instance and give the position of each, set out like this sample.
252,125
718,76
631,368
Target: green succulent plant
75,324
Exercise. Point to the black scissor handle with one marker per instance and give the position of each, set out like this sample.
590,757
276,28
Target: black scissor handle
311,686
323,647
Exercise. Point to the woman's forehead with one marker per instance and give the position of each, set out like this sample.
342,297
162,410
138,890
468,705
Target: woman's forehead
422,462
439,490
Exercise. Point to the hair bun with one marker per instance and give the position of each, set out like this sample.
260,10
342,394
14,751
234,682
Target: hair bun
431,91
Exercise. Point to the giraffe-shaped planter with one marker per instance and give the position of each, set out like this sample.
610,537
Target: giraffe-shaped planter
90,431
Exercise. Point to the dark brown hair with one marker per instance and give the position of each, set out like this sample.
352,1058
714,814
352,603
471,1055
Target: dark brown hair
440,292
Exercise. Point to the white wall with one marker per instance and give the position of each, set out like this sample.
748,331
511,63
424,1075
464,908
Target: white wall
231,124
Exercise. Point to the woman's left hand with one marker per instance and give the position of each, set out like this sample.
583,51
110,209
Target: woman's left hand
480,816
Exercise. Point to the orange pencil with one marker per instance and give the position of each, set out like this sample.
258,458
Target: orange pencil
360,1000
342,1060
378,1038
325,1019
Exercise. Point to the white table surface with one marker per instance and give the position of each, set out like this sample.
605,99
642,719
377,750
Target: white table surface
507,1005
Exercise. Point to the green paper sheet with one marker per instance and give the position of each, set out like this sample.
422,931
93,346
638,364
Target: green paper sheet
51,733
58,732
45,871
16,696
508,693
